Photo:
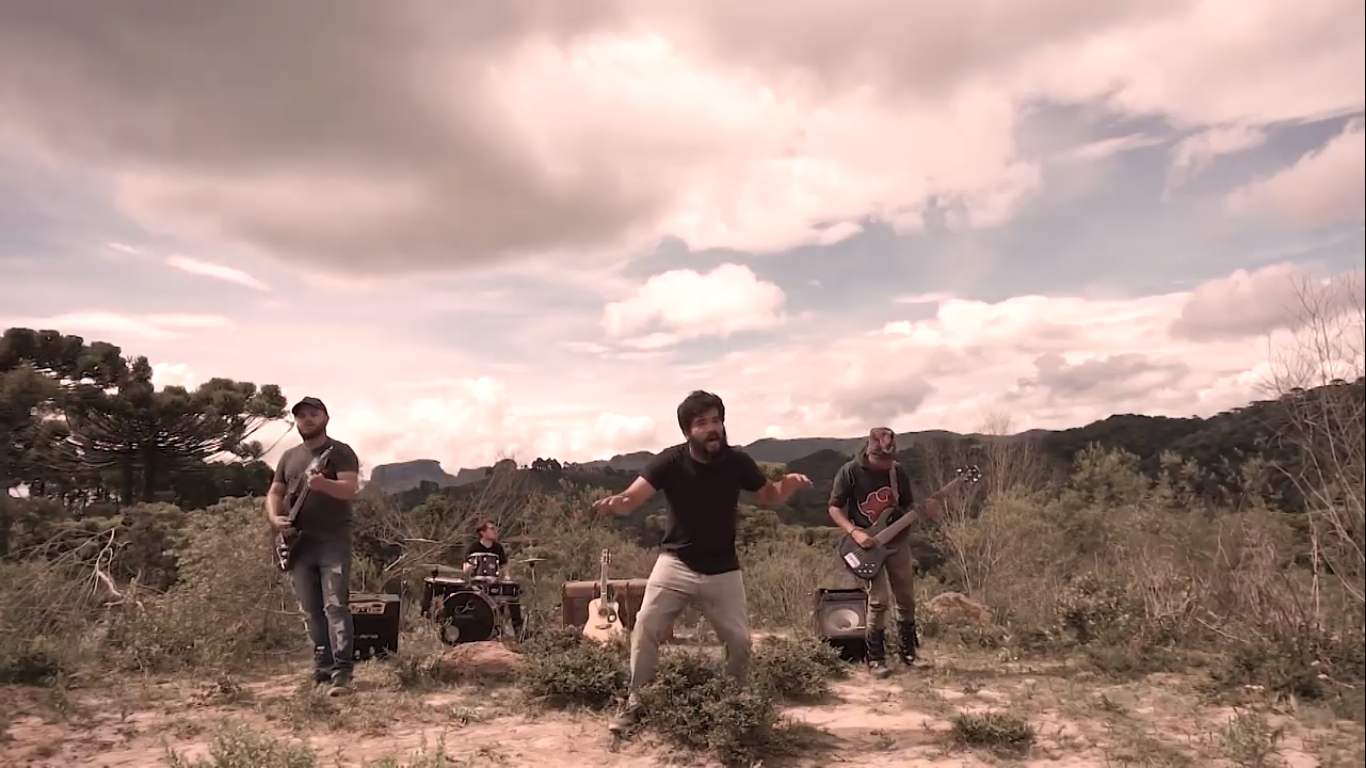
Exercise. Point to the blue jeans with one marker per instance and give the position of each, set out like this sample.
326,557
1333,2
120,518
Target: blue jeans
322,584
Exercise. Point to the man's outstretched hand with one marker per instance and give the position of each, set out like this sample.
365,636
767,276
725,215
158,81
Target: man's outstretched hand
615,505
790,484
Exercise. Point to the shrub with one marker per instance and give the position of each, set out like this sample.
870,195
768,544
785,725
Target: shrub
234,746
564,673
796,668
998,731
695,706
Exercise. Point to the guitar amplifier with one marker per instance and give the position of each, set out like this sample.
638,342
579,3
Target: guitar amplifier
375,617
840,619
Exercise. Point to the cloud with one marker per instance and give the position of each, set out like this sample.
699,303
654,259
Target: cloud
216,272
438,136
1099,150
1196,153
1105,378
174,375
1252,304
1324,187
686,304
1048,361
150,327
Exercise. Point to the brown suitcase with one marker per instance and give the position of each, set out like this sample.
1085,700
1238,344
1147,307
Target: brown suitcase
576,595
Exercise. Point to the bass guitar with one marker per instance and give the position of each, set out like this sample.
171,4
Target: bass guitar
287,542
604,613
866,563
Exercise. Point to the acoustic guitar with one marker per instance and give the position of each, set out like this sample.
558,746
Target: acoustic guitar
604,612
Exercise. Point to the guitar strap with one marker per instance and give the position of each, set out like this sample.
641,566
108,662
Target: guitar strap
896,486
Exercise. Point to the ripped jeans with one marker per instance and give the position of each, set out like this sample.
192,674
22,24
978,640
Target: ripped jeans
322,584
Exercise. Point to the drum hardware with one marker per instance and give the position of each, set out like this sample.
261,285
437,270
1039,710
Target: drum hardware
531,594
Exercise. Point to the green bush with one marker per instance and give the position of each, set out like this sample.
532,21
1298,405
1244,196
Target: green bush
998,731
564,673
233,746
696,707
796,668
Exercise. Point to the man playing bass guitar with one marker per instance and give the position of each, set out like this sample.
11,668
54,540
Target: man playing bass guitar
320,567
871,486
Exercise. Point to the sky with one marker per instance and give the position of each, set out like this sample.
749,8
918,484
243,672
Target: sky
529,228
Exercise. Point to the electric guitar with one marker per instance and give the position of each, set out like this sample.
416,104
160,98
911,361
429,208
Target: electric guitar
287,542
867,563
604,613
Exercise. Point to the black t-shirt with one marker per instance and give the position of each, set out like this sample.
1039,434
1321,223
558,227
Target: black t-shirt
865,494
702,496
321,516
495,548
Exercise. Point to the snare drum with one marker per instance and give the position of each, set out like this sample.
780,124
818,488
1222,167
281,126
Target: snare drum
505,589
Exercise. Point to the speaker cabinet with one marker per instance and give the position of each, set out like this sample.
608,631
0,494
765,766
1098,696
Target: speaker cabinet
375,617
840,619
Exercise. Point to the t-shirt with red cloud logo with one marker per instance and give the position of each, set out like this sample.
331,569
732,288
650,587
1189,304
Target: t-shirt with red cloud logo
865,494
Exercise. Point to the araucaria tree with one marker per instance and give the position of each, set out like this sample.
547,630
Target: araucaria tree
146,434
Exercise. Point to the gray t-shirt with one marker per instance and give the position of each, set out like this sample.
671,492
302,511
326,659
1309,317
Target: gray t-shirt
322,517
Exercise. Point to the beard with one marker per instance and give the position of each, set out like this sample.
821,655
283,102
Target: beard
710,444
308,433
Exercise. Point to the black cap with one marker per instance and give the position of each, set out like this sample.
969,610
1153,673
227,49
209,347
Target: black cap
308,402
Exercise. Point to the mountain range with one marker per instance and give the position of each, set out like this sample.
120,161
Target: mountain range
406,475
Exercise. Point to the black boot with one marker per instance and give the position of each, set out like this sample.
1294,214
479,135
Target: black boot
322,665
876,641
908,641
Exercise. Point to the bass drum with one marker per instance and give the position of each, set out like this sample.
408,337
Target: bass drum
467,616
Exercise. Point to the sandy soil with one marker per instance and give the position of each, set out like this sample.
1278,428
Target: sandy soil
904,721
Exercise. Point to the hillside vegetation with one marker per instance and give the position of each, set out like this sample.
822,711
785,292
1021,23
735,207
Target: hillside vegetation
1218,560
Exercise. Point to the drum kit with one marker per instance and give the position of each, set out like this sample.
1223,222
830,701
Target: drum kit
476,603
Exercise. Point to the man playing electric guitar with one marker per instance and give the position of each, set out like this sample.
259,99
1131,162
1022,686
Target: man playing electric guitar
321,566
862,493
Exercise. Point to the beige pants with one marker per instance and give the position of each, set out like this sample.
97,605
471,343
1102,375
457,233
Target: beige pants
896,582
674,586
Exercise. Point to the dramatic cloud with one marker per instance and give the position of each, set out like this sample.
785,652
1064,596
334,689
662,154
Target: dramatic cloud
406,136
1254,304
1324,187
515,171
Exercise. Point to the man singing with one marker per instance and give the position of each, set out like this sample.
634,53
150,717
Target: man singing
701,480
321,571
870,486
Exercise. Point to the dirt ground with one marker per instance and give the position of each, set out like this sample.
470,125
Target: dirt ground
1080,720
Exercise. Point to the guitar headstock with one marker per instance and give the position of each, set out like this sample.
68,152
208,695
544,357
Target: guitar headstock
969,474
605,557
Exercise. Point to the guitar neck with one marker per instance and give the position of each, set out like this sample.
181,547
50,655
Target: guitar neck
893,530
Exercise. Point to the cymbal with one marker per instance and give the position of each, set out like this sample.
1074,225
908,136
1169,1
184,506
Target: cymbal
437,566
532,560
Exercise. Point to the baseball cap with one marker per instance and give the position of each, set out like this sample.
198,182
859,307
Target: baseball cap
881,442
308,402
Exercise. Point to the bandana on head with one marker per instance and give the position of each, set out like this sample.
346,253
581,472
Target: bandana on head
881,442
